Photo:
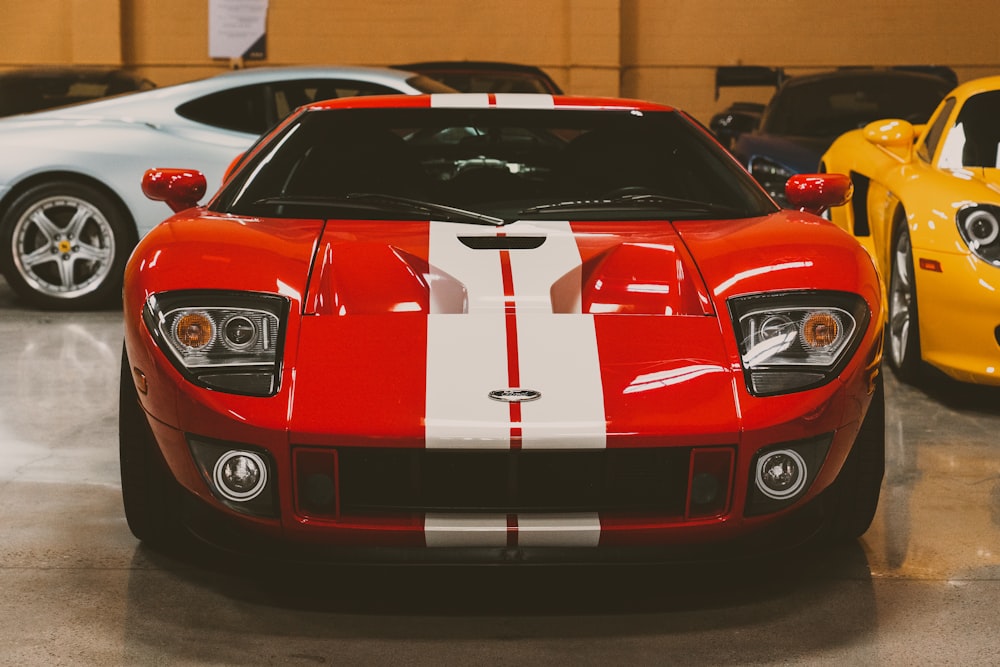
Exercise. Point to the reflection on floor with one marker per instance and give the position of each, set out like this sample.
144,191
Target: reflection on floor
919,588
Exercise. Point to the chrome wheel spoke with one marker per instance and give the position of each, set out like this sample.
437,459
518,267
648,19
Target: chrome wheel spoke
66,273
46,227
76,223
899,320
85,251
40,256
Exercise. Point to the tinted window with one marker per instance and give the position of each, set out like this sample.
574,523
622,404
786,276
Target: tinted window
255,109
936,131
974,139
498,161
830,107
22,92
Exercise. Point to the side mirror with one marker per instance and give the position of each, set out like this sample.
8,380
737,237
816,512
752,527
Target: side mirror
179,188
892,134
738,119
815,193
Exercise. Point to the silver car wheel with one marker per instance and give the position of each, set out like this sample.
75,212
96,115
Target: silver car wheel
63,246
901,301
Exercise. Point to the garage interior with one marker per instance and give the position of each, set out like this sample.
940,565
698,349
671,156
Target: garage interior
920,587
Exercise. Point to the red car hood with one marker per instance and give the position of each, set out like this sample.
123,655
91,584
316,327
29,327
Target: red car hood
415,333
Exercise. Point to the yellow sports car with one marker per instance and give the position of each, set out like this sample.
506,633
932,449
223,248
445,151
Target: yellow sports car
927,207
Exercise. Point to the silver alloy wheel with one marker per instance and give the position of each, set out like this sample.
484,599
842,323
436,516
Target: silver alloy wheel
63,246
900,300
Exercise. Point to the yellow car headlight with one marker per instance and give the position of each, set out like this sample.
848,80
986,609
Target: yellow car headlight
979,226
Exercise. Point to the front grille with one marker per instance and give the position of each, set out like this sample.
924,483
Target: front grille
509,481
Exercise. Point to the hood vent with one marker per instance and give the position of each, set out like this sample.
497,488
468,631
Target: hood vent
502,242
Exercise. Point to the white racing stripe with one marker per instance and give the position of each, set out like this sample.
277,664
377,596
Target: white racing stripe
460,100
465,530
559,530
467,352
558,355
504,100
467,357
525,101
528,530
557,351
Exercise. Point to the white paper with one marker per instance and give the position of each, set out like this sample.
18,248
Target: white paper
234,26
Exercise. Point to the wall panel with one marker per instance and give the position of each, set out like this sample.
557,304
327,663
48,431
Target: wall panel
664,50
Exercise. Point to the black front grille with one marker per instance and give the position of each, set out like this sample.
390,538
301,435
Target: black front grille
508,481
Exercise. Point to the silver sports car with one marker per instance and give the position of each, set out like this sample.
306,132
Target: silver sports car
71,207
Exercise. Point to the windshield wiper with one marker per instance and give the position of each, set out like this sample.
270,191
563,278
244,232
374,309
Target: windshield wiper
631,201
371,201
451,213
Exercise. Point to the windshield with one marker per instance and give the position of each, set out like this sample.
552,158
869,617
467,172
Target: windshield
505,164
974,139
830,107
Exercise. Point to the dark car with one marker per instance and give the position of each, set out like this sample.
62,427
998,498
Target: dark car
807,113
478,76
34,89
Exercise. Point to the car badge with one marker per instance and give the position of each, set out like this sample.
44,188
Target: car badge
515,395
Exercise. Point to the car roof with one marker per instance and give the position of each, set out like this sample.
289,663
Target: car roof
848,73
166,96
489,101
57,71
496,68
466,65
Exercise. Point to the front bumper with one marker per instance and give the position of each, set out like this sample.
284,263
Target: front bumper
218,531
491,537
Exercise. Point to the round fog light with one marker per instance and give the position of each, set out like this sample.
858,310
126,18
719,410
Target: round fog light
239,475
781,474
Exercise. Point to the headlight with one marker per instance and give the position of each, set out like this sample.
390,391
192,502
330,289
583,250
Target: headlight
228,341
979,226
792,341
772,177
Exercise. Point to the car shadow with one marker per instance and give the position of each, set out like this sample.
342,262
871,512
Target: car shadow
958,396
814,598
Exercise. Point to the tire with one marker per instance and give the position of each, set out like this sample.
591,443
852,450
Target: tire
64,246
856,492
903,335
149,492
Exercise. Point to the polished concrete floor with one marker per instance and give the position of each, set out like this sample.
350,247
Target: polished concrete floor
921,587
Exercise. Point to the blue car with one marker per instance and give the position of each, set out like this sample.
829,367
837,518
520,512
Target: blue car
807,113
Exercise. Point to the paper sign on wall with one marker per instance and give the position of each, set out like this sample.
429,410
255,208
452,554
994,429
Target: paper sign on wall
237,29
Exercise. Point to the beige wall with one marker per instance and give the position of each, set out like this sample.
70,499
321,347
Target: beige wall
664,50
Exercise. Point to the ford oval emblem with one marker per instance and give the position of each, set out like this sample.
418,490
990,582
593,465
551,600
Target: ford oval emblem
514,395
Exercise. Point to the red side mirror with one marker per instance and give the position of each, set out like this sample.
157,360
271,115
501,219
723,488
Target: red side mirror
179,188
817,192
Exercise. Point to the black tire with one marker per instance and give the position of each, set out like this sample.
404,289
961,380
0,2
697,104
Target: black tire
903,330
149,492
854,496
64,246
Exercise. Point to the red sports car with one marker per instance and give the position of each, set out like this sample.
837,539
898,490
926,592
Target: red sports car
498,328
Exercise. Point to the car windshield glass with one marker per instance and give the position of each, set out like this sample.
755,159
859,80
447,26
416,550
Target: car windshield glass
830,107
974,139
506,164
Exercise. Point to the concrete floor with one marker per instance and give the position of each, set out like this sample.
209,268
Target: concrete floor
921,587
